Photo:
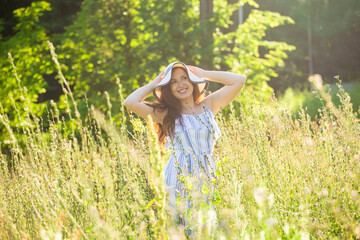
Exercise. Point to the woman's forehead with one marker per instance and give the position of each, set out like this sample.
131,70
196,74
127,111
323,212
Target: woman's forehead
178,72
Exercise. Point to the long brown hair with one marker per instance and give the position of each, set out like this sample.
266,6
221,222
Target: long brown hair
173,106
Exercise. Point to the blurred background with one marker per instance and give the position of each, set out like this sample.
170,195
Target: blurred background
278,44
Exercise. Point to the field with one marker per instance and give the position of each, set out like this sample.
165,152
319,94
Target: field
278,176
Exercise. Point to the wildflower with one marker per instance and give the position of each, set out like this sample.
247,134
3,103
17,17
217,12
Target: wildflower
271,222
354,195
309,142
304,236
286,229
348,149
324,192
271,199
259,195
357,231
43,234
211,221
317,81
232,170
58,236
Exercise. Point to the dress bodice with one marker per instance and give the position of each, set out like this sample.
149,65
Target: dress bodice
196,135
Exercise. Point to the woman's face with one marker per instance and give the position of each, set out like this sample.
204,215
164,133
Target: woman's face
180,85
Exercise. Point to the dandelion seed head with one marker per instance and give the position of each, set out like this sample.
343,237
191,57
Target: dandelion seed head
354,195
357,231
260,195
58,236
309,142
324,192
44,235
304,236
271,222
286,229
271,200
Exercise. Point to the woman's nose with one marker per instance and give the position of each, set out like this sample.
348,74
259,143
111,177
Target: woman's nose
181,84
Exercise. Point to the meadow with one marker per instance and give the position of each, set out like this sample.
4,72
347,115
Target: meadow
69,176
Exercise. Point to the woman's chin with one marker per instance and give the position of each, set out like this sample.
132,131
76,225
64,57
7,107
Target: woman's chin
183,96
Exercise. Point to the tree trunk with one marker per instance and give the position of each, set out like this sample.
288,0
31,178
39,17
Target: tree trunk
311,71
207,29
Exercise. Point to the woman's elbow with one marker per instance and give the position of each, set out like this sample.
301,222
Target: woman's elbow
127,103
242,80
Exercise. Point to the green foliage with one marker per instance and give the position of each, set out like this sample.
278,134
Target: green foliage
313,103
134,40
22,84
129,40
245,57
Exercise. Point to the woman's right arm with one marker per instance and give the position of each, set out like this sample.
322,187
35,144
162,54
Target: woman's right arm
134,102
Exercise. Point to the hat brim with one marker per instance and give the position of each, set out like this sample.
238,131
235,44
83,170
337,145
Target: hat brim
202,83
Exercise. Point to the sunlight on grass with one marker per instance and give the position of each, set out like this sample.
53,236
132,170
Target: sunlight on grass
82,177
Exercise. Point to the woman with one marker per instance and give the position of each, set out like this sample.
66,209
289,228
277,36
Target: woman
186,121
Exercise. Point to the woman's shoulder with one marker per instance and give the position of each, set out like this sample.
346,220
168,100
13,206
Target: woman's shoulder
207,104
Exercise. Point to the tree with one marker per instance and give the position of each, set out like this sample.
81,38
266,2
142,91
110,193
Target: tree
247,51
134,40
207,30
29,51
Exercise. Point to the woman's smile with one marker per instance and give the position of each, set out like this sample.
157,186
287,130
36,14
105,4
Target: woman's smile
182,90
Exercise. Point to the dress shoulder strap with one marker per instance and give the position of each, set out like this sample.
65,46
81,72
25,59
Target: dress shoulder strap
206,108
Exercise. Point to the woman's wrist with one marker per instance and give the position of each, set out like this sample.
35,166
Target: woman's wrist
152,84
206,74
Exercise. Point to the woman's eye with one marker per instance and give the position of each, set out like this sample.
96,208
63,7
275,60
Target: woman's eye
173,82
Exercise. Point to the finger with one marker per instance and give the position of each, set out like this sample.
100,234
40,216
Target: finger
191,68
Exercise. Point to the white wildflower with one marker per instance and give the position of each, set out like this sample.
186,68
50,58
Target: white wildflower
260,195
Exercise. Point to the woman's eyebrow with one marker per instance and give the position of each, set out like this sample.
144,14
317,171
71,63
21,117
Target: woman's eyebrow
184,75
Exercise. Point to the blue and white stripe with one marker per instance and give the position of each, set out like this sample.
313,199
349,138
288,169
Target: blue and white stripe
191,151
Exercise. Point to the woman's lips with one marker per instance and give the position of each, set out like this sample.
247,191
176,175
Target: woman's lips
182,90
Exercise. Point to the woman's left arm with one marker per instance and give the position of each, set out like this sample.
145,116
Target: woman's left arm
219,99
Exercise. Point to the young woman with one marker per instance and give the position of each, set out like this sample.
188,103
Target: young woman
186,121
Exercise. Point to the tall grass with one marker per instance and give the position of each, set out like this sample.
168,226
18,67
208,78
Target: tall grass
278,177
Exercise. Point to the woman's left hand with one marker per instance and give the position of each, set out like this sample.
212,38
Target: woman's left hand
197,71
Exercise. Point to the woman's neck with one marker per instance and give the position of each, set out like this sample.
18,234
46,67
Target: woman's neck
188,107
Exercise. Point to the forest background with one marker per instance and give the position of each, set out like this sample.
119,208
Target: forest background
275,43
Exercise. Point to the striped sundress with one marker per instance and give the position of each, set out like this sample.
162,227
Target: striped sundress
191,156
